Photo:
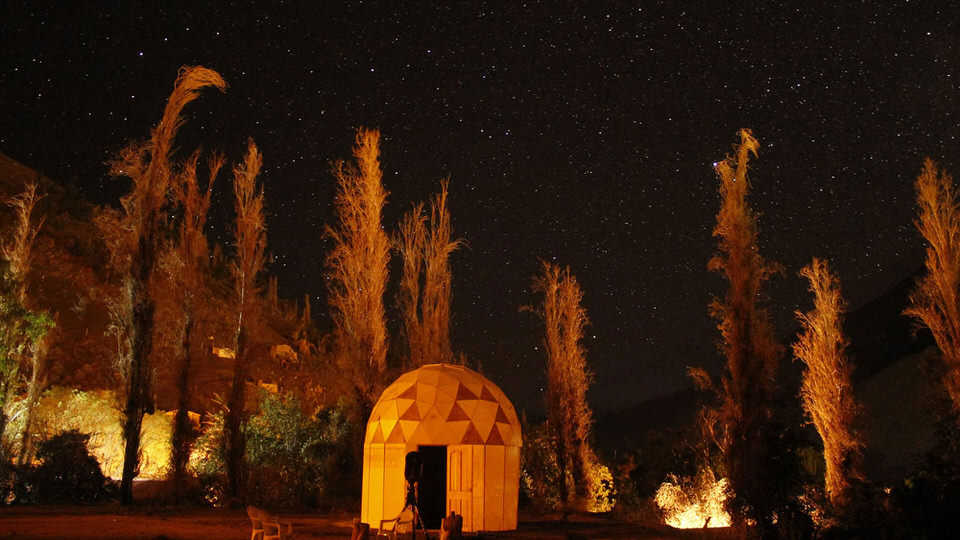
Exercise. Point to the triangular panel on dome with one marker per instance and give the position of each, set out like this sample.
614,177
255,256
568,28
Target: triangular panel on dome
432,415
471,436
501,416
448,387
434,433
468,406
391,392
388,425
458,429
426,393
389,411
494,437
412,412
508,434
444,406
408,427
396,436
377,435
428,375
486,412
475,385
463,392
409,393
487,395
457,413
403,405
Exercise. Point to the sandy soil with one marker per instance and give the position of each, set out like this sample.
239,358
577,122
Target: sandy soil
114,522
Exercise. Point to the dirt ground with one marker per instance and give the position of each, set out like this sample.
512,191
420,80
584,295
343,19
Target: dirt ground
168,523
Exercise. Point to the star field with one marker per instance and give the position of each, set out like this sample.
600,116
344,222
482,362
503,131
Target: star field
583,135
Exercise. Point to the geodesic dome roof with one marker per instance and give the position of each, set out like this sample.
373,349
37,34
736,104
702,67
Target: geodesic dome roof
443,404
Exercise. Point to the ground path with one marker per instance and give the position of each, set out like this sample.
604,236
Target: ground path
168,523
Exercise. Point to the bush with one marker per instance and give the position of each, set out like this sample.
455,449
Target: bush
68,473
292,459
539,471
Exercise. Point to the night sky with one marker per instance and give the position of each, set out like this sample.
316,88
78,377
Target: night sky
583,135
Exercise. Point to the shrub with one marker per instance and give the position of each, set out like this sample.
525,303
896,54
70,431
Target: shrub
600,487
68,473
292,459
539,471
295,459
208,461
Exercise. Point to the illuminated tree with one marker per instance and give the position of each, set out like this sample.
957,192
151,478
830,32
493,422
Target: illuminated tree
568,378
826,387
187,263
135,237
18,251
935,302
357,270
250,238
426,260
23,332
740,424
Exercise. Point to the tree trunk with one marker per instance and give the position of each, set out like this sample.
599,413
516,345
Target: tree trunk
234,423
181,422
138,387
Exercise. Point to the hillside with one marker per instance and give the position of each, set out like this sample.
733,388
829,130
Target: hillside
70,278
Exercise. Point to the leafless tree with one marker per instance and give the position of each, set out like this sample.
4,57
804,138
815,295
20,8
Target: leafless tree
425,290
739,425
935,302
826,387
250,237
568,377
357,270
186,262
135,250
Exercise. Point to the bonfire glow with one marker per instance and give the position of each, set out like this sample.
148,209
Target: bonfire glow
694,505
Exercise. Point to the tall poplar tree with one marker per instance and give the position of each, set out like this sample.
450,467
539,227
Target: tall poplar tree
741,424
250,239
139,231
568,415
357,271
935,303
425,291
827,387
187,264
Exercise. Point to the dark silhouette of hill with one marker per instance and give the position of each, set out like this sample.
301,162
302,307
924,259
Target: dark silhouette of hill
893,380
880,335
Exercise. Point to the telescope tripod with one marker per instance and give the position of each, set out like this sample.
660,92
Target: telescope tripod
411,503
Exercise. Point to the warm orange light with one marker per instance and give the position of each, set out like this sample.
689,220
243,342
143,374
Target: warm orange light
688,506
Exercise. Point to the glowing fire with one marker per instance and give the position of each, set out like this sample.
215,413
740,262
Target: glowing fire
694,505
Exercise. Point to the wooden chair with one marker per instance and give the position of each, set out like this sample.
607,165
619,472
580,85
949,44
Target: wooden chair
254,514
401,525
274,528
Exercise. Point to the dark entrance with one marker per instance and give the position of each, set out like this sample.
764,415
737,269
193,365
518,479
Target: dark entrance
433,485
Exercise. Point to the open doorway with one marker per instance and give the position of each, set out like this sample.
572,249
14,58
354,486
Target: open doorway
433,485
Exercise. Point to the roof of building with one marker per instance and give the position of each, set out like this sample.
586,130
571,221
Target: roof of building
443,404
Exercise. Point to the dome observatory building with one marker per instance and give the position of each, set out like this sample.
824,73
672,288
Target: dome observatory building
468,438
